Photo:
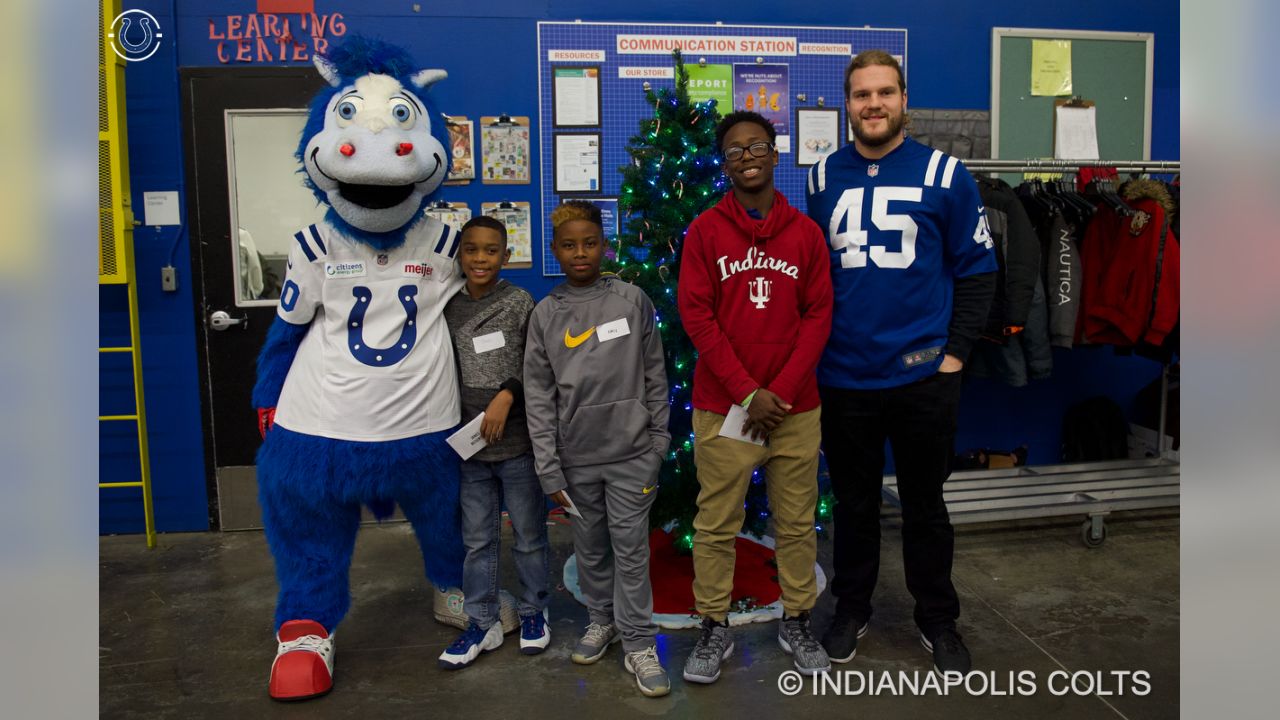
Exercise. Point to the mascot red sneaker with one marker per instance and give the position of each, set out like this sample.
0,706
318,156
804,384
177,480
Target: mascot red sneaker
356,387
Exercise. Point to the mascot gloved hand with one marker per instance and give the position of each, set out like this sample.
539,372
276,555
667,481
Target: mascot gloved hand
356,387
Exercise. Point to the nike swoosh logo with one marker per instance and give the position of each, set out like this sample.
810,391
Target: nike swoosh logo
573,341
649,489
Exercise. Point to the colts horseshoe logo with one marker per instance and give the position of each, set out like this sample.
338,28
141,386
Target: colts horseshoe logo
382,357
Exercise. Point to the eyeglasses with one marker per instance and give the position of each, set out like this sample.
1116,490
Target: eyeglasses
759,149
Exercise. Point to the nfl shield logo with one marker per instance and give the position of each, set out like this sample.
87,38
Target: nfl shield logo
382,259
873,170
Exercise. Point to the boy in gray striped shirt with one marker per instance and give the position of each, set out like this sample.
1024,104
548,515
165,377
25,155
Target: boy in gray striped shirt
488,319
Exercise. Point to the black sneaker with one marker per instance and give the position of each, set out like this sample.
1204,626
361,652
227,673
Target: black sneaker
841,639
949,653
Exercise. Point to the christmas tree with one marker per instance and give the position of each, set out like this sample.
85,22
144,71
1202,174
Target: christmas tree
674,175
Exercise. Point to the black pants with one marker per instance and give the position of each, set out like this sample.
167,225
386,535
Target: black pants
919,420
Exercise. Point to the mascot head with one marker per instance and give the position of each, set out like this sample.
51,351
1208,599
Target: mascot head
374,149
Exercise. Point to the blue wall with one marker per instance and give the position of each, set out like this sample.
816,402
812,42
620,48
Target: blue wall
488,47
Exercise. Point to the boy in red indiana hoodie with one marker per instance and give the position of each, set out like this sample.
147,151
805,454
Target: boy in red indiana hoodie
755,299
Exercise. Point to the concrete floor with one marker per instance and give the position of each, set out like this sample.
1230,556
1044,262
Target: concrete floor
185,632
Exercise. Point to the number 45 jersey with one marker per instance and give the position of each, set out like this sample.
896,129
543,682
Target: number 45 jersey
900,229
377,363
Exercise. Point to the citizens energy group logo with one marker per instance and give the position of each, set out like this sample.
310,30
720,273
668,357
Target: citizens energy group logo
135,35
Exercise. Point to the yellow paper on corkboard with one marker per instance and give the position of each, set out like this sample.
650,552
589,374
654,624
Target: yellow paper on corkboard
1051,67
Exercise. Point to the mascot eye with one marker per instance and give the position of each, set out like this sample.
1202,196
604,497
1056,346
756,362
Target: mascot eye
401,112
346,110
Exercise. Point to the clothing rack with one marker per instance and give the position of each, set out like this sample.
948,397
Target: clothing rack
1094,489
1031,165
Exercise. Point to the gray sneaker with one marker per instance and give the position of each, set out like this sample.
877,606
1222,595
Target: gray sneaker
594,642
797,641
714,645
650,677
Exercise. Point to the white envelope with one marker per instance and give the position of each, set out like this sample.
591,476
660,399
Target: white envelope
732,427
572,509
468,441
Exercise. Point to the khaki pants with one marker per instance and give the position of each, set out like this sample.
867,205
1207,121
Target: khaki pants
790,462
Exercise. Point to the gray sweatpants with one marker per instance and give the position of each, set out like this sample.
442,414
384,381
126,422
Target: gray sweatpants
611,541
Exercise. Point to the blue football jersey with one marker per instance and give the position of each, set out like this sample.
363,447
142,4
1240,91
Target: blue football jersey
900,230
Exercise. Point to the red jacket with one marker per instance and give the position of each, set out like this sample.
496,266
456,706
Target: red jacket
1122,303
755,299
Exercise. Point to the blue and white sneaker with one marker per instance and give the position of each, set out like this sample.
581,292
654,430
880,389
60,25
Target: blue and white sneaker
469,645
534,633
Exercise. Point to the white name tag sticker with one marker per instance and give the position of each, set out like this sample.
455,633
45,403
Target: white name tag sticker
486,343
344,269
613,330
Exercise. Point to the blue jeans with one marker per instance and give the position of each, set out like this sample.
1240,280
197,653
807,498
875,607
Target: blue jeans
485,485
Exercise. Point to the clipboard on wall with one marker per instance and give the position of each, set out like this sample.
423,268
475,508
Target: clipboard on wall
515,216
504,146
453,214
462,138
1075,129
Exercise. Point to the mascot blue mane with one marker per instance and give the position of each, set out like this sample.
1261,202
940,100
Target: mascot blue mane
359,187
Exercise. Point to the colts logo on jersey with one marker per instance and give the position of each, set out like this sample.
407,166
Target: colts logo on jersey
382,357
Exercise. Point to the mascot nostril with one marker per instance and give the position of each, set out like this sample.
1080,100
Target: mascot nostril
363,406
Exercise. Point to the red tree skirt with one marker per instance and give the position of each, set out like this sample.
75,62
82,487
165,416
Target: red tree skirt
755,581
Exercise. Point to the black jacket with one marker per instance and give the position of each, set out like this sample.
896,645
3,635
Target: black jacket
1018,256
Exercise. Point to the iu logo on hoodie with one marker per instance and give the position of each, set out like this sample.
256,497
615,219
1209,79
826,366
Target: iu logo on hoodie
758,291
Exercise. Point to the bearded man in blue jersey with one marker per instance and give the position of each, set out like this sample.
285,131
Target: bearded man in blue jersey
913,274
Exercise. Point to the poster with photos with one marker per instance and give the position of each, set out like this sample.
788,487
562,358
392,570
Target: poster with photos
516,217
462,145
817,134
504,144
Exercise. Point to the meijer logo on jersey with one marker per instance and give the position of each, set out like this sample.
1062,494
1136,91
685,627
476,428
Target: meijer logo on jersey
755,260
418,270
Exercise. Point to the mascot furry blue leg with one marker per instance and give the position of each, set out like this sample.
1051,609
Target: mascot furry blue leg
356,386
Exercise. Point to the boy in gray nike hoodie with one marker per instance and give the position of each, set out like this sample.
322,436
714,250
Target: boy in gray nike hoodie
596,399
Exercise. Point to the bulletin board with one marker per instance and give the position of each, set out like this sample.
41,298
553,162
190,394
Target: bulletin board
1111,69
627,55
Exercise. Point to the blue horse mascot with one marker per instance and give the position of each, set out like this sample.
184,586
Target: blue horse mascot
356,389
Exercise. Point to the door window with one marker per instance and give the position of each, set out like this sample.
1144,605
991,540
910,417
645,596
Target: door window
269,202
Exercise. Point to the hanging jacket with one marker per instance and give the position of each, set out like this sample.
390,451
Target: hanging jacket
755,299
1131,266
1026,356
1062,278
1017,256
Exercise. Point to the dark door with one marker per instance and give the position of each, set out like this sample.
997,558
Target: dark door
244,202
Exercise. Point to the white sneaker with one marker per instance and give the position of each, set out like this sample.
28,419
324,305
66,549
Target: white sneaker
447,608
535,634
651,678
473,641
